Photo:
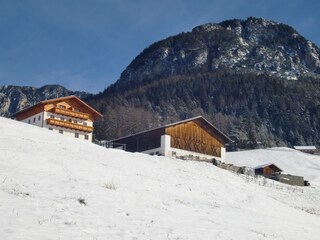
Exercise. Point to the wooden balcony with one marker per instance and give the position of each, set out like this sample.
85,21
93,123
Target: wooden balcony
70,113
70,125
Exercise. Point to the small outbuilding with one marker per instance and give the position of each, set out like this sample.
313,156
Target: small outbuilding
194,138
306,149
267,170
273,172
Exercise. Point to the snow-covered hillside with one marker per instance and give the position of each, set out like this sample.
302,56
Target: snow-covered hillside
55,187
289,160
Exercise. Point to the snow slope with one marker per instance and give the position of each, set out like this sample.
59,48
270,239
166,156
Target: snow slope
289,160
44,176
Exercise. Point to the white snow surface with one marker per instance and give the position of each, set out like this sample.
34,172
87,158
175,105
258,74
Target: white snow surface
289,160
135,196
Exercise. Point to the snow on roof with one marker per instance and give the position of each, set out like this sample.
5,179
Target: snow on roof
305,147
266,165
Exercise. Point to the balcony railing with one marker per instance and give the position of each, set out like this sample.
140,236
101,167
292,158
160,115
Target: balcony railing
69,125
70,113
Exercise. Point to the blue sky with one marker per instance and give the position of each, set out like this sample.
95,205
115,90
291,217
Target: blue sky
86,44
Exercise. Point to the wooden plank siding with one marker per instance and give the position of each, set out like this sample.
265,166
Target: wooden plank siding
267,170
70,106
77,105
31,112
195,136
70,125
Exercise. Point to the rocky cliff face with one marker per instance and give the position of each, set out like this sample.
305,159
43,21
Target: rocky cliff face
16,98
252,45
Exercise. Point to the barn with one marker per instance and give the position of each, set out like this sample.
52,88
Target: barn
194,138
307,149
267,170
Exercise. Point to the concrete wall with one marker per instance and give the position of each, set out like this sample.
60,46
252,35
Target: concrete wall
229,167
290,179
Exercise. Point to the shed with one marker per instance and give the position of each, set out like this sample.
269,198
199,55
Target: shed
306,149
267,170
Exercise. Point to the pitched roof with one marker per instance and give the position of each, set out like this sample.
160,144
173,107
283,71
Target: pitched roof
95,113
305,147
267,165
225,137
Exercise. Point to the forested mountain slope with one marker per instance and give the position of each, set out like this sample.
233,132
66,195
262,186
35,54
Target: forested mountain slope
256,79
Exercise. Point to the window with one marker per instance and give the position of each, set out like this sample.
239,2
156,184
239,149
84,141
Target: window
84,123
86,137
75,121
76,135
51,116
63,107
39,118
51,129
61,131
34,119
62,119
29,121
76,110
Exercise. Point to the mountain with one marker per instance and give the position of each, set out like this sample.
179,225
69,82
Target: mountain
256,79
254,45
58,187
16,98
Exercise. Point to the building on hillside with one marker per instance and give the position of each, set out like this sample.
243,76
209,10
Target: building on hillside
194,138
273,172
66,115
306,149
267,170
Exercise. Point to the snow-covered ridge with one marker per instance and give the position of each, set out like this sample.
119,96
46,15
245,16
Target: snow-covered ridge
55,187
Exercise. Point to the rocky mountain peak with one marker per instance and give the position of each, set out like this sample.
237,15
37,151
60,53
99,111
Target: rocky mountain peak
253,45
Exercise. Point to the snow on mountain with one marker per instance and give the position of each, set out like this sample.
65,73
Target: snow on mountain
55,187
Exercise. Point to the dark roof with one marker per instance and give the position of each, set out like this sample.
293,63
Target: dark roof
225,137
267,165
96,113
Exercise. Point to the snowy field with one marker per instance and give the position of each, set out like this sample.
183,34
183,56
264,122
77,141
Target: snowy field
289,160
56,187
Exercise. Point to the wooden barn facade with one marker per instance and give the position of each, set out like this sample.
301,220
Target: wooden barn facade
194,138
